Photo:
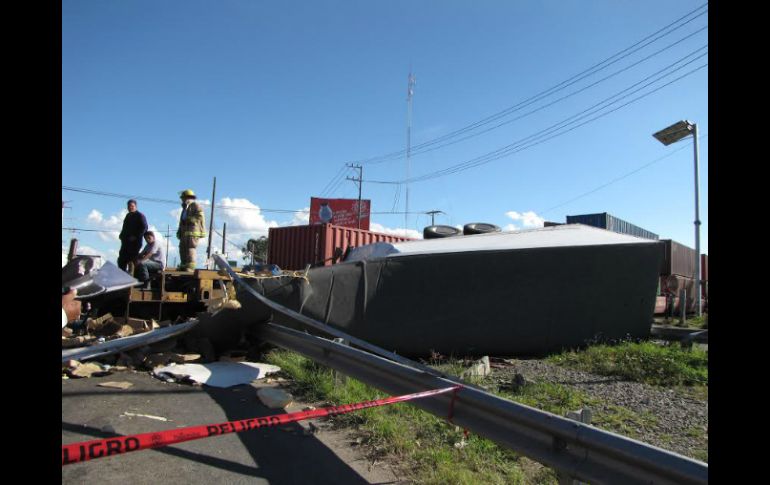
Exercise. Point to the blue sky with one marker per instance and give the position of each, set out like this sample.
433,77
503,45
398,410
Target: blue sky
273,98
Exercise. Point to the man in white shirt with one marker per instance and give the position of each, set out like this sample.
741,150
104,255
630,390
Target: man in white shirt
151,259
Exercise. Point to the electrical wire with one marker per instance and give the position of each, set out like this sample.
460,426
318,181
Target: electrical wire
618,179
558,87
529,141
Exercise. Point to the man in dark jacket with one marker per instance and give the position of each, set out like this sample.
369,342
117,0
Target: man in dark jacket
134,227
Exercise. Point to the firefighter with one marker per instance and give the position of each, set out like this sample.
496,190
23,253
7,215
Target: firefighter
191,228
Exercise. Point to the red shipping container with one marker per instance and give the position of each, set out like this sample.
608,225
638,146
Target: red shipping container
294,247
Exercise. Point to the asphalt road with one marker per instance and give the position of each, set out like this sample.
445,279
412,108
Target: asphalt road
285,455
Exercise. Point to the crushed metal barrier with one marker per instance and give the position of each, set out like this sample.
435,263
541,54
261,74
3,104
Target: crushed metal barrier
89,450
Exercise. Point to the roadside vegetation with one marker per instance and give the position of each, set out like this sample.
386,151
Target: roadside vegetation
647,362
428,449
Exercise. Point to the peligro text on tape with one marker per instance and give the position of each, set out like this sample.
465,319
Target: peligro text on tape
88,450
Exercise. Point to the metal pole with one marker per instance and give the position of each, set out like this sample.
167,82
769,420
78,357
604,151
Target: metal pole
211,223
360,183
168,236
224,236
697,225
410,93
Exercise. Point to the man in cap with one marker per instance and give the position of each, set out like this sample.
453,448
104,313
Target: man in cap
192,227
134,227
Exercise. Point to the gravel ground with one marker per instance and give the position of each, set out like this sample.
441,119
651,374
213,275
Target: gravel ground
682,414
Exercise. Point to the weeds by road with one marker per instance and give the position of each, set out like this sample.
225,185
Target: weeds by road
427,449
645,362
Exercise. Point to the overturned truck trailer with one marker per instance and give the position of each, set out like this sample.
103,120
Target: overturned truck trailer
510,293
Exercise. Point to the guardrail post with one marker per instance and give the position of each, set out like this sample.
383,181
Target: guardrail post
583,415
340,379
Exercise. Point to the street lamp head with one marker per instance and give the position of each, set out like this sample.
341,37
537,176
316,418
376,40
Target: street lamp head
675,132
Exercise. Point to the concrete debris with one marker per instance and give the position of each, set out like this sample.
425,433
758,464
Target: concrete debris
80,341
87,370
480,368
274,398
166,358
583,415
124,344
94,324
116,385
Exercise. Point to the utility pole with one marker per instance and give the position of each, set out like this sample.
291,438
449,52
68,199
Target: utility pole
168,236
432,214
360,183
409,94
224,237
211,223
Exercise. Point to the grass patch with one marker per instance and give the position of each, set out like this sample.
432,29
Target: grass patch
428,449
559,399
642,362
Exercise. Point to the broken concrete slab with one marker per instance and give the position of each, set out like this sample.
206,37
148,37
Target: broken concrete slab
480,368
273,397
116,385
219,374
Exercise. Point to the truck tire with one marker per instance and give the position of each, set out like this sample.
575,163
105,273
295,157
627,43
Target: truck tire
480,228
436,232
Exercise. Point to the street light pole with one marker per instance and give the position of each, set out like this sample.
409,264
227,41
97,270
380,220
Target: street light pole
673,134
697,224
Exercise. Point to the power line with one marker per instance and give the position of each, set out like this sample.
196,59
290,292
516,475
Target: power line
529,141
618,179
541,108
558,87
174,202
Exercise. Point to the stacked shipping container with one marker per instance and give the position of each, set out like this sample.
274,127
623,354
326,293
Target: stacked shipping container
611,223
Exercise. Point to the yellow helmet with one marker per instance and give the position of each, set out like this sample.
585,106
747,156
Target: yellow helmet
186,193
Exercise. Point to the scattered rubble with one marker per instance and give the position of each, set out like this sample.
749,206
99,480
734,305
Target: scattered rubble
274,398
480,368
116,385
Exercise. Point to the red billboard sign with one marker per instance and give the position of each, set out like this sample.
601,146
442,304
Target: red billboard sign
340,212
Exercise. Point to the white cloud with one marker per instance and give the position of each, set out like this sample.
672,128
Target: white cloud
374,227
528,219
95,216
300,218
510,227
113,224
241,215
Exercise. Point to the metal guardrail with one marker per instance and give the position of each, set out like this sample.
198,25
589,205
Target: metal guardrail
581,451
572,448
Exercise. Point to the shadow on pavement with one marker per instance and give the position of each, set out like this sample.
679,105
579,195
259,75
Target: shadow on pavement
285,454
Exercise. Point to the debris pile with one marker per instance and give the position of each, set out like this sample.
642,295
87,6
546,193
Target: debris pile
112,344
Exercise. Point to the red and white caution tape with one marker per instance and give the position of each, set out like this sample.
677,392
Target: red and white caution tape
89,450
